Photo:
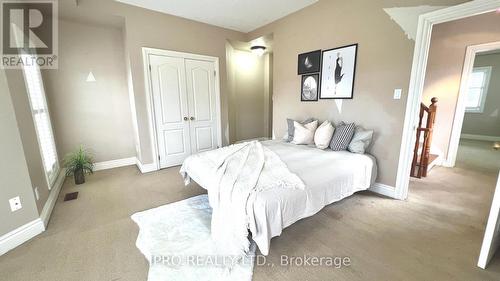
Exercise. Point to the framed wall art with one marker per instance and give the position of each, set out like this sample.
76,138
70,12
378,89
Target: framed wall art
309,62
338,70
309,91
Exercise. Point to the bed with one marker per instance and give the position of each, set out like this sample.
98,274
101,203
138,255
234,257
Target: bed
328,177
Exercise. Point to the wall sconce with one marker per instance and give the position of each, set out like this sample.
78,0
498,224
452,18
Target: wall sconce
258,50
90,77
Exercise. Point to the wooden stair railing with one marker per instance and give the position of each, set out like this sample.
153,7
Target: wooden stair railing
420,162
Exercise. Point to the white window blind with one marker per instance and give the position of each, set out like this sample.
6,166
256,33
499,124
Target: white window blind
478,89
42,122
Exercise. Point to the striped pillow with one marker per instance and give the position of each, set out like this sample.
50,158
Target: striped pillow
342,136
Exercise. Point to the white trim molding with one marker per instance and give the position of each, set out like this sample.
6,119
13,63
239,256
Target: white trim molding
479,137
146,168
115,163
421,53
20,235
491,235
470,55
51,201
383,189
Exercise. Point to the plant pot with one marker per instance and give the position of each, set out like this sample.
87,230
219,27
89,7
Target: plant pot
79,177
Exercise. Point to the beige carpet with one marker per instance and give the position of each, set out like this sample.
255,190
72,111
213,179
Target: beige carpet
478,155
434,235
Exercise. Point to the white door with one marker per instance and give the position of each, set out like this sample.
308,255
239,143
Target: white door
168,82
202,104
491,239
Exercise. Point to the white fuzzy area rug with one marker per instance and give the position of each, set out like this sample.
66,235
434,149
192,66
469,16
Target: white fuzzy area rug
176,241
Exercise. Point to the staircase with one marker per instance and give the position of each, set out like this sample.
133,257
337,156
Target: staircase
423,160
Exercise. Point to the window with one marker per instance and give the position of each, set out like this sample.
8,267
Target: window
42,123
478,89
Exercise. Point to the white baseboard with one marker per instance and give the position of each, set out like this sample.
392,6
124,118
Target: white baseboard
20,235
384,189
479,137
114,163
146,168
51,201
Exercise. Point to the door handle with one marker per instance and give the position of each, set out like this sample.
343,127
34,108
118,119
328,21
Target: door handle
192,118
185,118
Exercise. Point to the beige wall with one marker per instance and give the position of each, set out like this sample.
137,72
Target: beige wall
145,28
29,139
383,64
486,123
444,68
249,91
97,114
14,175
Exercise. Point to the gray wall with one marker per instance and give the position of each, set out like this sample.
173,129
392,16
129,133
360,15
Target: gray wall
93,114
488,122
14,175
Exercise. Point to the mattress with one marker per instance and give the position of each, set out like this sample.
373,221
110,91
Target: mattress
329,176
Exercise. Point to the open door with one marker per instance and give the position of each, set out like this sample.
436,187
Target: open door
491,239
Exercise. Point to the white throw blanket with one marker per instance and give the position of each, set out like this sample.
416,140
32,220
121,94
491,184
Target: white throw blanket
239,172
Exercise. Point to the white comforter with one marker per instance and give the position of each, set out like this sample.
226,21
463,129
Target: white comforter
238,173
329,176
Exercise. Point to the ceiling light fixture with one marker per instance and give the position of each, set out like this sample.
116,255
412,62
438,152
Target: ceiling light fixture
258,50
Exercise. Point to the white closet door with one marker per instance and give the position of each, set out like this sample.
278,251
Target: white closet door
202,104
168,80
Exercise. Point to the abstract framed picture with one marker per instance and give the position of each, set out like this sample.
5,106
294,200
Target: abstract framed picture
338,70
309,90
309,62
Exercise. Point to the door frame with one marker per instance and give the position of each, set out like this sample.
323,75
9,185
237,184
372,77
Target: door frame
487,252
415,91
458,120
146,51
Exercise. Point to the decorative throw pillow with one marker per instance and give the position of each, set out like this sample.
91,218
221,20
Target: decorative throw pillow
361,140
323,135
291,128
304,134
342,136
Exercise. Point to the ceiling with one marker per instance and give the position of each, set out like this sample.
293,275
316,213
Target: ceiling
240,15
71,10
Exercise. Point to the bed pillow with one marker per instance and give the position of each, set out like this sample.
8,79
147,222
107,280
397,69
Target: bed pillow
291,128
361,140
342,136
304,134
323,135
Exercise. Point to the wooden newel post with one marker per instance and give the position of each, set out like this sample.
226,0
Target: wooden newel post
431,118
420,164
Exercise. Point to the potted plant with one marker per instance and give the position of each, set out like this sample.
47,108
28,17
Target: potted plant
78,164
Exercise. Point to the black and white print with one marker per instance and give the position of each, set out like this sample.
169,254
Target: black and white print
309,62
310,87
337,72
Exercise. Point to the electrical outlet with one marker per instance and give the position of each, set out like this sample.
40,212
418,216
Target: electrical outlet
397,94
15,204
37,195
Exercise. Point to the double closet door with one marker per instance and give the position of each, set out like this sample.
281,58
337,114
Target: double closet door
184,101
